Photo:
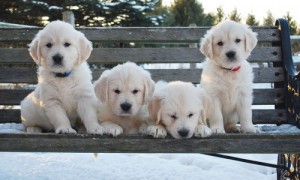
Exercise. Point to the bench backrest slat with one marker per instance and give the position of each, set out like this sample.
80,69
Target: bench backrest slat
261,96
272,116
28,75
138,34
144,55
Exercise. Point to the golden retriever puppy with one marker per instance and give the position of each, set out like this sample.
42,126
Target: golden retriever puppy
124,92
64,92
178,108
227,76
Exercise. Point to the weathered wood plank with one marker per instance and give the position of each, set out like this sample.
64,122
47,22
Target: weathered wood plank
226,143
12,97
28,75
261,96
10,116
136,34
269,116
268,96
261,116
143,55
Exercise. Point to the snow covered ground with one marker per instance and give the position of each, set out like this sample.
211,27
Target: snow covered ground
73,166
25,166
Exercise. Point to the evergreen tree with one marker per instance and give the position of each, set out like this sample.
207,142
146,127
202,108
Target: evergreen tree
269,20
23,12
292,24
220,15
251,20
209,20
133,13
87,13
235,16
186,12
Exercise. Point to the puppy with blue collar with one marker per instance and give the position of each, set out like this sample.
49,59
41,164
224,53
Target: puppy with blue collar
64,94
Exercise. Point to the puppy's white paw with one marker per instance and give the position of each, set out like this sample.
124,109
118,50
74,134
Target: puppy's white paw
65,130
217,130
250,129
202,131
157,131
33,130
96,130
113,129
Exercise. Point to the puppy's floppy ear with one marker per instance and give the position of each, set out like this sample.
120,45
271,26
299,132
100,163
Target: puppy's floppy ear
149,87
85,48
250,40
206,46
35,50
101,87
154,109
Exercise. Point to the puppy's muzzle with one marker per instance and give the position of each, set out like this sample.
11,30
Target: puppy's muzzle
126,107
58,59
231,55
183,132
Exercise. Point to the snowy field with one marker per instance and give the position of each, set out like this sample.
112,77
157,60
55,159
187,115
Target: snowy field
73,166
31,166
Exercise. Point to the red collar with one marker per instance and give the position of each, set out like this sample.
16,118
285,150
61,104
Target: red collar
233,69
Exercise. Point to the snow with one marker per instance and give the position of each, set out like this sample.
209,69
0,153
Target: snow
110,166
140,8
130,167
55,8
12,25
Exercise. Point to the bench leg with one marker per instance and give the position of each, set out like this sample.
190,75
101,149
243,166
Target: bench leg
292,162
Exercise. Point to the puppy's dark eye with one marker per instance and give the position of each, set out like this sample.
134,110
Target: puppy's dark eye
67,44
220,43
237,40
173,117
49,45
135,91
117,91
190,115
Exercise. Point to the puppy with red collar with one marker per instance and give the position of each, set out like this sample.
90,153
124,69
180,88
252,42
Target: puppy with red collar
227,76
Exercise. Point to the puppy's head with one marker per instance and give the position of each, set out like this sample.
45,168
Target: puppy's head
125,89
59,47
176,106
228,43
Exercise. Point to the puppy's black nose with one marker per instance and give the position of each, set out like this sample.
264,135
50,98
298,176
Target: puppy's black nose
230,54
125,106
183,132
57,59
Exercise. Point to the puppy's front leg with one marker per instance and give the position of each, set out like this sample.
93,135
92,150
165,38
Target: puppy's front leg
58,118
157,131
244,113
202,131
216,118
112,128
87,110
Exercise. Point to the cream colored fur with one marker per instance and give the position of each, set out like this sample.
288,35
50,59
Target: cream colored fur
227,76
178,108
124,92
57,103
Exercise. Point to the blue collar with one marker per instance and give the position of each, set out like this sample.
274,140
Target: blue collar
63,75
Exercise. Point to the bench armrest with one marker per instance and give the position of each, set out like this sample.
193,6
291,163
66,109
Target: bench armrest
292,77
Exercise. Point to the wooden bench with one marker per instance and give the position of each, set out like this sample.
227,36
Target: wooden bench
276,93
